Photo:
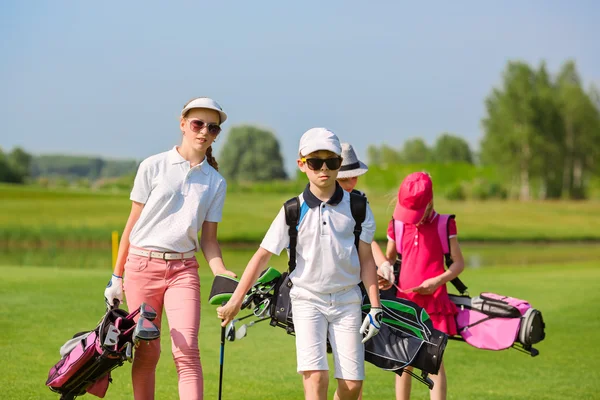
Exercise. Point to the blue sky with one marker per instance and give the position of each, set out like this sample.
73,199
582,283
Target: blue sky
110,78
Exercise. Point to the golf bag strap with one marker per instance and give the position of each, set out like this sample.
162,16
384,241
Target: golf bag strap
292,215
358,208
443,229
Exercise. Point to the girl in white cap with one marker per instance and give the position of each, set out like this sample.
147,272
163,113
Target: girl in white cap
175,195
350,170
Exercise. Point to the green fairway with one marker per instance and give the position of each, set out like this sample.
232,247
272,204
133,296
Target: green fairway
75,219
41,307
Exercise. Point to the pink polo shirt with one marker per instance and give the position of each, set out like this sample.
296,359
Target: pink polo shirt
423,258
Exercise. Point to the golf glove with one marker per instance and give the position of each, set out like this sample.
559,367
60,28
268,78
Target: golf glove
372,323
114,290
386,271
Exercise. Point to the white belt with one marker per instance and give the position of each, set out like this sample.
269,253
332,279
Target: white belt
161,255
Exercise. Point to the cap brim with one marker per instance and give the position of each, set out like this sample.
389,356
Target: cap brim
222,115
328,147
408,216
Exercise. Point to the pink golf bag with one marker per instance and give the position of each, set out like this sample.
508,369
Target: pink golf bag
89,357
494,322
488,321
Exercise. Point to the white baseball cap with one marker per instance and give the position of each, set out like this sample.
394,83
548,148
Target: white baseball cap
205,102
316,139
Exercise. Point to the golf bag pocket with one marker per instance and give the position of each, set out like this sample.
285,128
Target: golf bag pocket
495,322
281,312
73,361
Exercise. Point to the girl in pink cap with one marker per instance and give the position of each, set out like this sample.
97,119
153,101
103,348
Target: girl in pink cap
422,274
175,195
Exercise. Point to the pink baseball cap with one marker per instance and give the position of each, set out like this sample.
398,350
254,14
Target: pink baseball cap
415,193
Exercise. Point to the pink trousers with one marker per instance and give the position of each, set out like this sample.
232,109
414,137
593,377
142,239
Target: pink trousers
174,286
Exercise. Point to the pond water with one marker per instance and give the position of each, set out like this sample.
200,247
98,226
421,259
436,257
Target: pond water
476,255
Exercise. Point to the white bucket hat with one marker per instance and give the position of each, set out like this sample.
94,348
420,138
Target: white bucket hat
205,102
351,165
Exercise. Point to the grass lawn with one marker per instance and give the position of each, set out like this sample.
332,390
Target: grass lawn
41,307
28,213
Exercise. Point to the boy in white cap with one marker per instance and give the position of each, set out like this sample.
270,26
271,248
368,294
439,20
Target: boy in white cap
350,170
326,298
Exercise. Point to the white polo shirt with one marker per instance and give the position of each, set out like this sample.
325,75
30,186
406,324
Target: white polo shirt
178,199
327,260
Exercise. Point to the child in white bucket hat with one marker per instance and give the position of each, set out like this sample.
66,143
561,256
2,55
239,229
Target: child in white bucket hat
350,170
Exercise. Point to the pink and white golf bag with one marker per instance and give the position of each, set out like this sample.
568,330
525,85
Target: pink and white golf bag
488,321
494,322
88,358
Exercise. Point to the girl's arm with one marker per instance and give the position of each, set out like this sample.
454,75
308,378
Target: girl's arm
211,249
458,263
257,263
368,272
134,216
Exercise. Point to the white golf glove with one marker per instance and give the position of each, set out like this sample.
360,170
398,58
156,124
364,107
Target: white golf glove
372,323
114,290
386,271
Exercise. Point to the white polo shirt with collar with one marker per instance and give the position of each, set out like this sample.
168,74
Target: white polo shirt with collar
327,259
177,200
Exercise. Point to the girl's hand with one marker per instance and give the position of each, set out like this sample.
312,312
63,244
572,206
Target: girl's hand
427,287
227,313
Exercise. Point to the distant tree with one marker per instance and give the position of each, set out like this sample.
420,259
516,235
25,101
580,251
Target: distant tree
449,148
415,151
20,162
581,123
389,156
373,155
251,154
510,134
543,131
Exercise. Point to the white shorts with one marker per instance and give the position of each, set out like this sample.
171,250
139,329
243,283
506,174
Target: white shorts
315,315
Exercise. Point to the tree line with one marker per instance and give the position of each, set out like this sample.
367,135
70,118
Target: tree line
541,133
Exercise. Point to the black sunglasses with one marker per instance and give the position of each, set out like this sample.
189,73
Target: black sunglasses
196,125
317,163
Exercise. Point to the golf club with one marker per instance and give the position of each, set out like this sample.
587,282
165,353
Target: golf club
221,358
145,330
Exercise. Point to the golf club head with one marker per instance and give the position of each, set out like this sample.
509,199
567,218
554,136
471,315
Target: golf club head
241,332
145,330
128,352
230,331
148,312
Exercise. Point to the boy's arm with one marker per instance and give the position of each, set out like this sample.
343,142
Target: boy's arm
390,252
257,263
368,273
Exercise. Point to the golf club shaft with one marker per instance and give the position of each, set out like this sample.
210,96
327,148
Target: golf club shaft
221,361
222,357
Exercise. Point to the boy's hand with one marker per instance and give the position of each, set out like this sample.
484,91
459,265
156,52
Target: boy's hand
383,284
386,271
372,323
228,312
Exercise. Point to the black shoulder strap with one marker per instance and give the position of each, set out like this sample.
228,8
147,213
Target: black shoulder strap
358,207
292,216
